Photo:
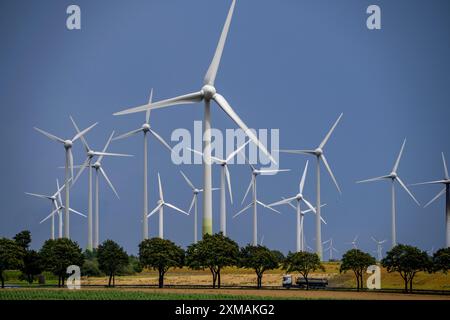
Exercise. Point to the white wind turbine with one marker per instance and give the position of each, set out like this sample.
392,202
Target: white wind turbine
393,176
379,248
224,175
446,191
255,201
206,94
90,154
300,214
319,154
145,129
100,171
330,248
160,208
194,202
68,166
54,200
354,242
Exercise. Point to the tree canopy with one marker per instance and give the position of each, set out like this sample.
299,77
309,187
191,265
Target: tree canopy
160,254
441,260
357,261
111,259
304,263
213,252
407,261
23,239
11,256
258,258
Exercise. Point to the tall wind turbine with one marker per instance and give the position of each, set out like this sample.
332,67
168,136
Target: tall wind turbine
68,166
224,175
160,208
207,93
379,248
255,202
446,191
319,154
100,171
300,214
330,248
393,176
54,201
145,128
194,203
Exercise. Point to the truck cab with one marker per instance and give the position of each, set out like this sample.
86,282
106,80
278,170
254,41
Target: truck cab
287,281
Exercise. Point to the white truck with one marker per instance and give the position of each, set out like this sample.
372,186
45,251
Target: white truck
314,283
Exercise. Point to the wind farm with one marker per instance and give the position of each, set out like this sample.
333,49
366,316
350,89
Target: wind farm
169,229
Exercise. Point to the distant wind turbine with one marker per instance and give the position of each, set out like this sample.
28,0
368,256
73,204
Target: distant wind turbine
330,248
379,248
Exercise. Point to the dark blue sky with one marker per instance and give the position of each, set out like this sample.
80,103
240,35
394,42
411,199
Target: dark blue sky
292,65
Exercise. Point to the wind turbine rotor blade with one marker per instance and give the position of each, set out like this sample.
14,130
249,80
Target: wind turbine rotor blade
302,181
85,164
184,99
375,240
155,210
147,113
429,182
38,195
407,190
381,242
161,196
291,205
310,152
128,134
220,100
235,152
109,182
189,182
49,216
82,133
373,179
442,192
214,66
83,139
59,191
284,201
160,139
109,154
192,204
78,213
49,135
71,164
325,140
176,208
267,207
227,175
325,162
246,208
269,171
108,142
248,190
445,166
397,162
309,205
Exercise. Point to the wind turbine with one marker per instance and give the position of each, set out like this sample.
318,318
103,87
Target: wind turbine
224,175
300,214
353,242
255,202
145,128
207,93
319,154
446,191
194,202
393,176
330,249
160,208
68,166
54,201
100,171
379,248
90,154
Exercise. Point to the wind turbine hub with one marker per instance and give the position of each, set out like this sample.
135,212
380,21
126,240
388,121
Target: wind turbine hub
90,153
208,91
299,196
196,191
146,127
393,175
97,165
318,152
68,144
160,202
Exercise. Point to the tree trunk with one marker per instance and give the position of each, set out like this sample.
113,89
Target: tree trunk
59,281
214,278
259,281
406,284
3,280
109,280
357,282
62,280
114,279
361,283
161,278
307,282
411,284
218,278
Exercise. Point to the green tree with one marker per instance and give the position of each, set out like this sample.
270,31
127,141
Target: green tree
304,263
441,260
280,256
11,256
160,254
111,259
357,261
135,264
58,254
23,239
407,261
213,252
32,265
258,258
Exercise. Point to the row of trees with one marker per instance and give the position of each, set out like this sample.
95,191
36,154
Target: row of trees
213,252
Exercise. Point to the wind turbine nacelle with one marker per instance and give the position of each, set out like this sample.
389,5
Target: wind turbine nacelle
97,165
393,175
68,144
90,153
146,127
208,91
318,151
